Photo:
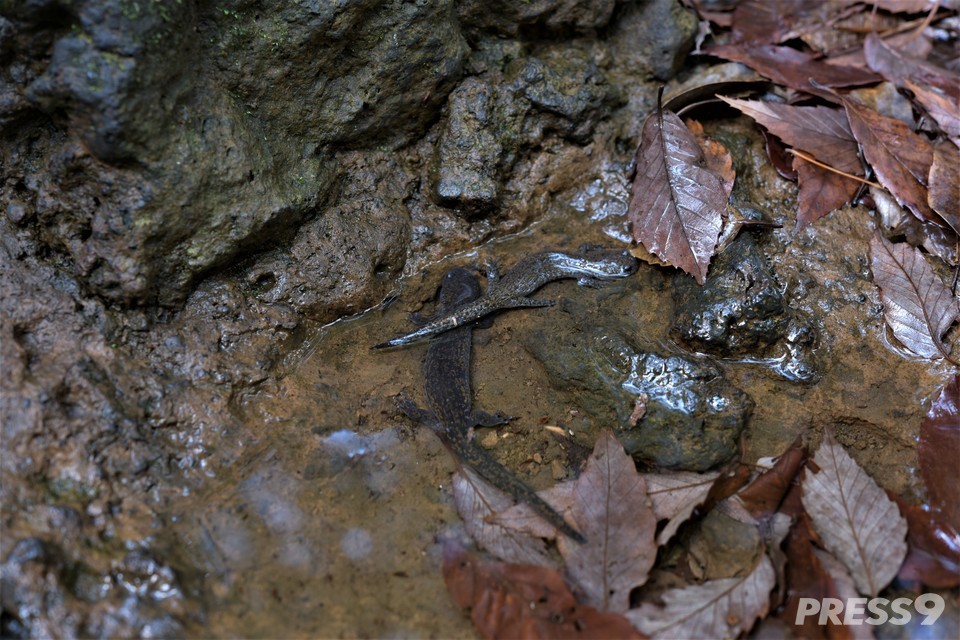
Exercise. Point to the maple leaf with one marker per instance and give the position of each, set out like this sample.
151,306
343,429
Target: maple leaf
675,496
721,608
477,503
823,132
900,158
917,305
610,509
523,601
821,191
676,203
939,451
853,516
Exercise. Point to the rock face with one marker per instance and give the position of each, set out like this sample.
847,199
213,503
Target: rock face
185,183
742,312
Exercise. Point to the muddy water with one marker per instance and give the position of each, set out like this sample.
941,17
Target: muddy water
325,521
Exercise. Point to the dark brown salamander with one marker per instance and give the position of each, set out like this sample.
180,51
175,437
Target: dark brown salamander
589,266
451,416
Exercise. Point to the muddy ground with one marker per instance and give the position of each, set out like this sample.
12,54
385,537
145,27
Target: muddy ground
197,437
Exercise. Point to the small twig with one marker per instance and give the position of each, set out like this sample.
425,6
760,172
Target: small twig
812,160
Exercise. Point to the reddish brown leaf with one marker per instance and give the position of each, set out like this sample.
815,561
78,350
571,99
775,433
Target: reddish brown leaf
762,21
821,191
523,601
846,589
939,452
610,508
900,158
933,555
917,305
853,516
935,88
897,66
944,195
764,495
722,608
806,577
779,158
676,203
793,68
823,132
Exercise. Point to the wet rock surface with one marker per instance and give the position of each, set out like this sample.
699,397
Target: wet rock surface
672,411
742,312
191,190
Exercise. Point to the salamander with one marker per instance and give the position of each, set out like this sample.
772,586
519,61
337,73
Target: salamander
590,266
449,397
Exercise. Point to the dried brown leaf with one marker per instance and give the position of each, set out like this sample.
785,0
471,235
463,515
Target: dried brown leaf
900,158
764,495
676,495
523,601
717,158
853,516
845,590
933,555
478,502
821,191
939,453
722,608
676,204
793,68
944,195
610,509
823,132
917,305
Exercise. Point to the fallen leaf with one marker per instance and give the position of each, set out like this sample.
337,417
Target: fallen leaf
793,68
820,191
779,158
805,575
938,240
846,590
675,496
764,495
676,203
933,549
936,89
478,502
853,516
523,601
823,132
610,509
939,452
722,608
944,194
900,158
718,159
917,305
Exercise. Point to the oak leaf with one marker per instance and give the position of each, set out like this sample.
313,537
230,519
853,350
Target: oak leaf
722,608
676,203
853,516
917,305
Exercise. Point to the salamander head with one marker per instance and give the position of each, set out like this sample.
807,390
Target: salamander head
598,262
